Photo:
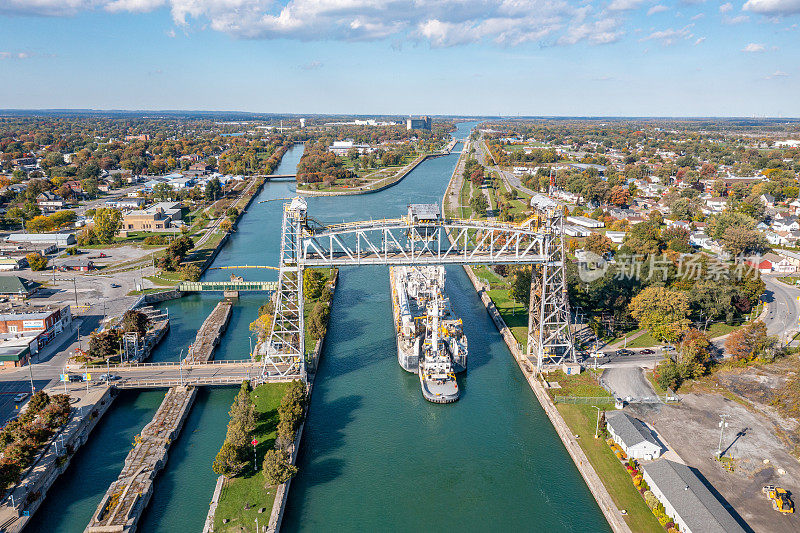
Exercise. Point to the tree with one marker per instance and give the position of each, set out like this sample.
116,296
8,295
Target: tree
40,224
277,468
227,462
598,243
313,283
135,321
677,238
318,320
213,190
619,196
738,240
36,261
163,191
521,286
751,342
662,312
104,345
693,355
479,204
107,222
63,218
643,238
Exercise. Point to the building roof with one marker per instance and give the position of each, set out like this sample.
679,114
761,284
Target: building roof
692,501
16,285
631,430
424,211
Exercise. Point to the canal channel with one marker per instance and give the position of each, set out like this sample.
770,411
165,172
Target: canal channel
375,455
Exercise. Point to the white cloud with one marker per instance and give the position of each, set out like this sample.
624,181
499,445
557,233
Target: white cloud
698,16
754,48
700,40
773,7
735,20
777,74
724,8
656,9
670,36
439,22
15,55
624,5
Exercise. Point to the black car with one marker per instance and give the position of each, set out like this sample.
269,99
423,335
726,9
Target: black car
75,378
647,351
624,352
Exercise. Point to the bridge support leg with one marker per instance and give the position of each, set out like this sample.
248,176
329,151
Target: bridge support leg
549,334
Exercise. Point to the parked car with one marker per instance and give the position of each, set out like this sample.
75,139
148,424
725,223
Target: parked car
115,285
668,348
108,377
647,351
21,396
597,354
624,352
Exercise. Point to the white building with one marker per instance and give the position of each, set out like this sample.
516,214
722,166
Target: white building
687,500
616,236
585,222
341,148
635,438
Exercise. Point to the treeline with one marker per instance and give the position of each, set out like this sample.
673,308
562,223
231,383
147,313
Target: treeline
277,466
318,165
22,439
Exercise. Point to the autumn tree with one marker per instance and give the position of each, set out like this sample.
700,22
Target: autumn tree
277,467
598,243
643,238
619,196
693,355
751,342
107,222
36,261
135,322
662,312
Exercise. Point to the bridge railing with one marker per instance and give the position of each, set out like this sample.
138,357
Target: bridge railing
126,366
209,381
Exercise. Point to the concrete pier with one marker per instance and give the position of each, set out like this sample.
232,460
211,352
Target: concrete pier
125,500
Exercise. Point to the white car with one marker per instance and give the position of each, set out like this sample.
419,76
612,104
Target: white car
597,354
21,396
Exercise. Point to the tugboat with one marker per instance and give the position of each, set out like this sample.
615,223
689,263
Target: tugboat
430,341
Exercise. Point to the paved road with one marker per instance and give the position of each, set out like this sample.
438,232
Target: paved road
627,382
782,307
511,179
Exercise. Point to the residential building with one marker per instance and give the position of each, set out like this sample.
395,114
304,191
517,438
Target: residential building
687,500
585,222
767,199
49,202
717,204
633,436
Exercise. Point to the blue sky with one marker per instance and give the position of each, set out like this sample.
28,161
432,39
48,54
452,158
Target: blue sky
509,57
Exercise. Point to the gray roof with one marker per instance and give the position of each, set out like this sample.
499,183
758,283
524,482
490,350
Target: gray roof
631,430
692,501
424,211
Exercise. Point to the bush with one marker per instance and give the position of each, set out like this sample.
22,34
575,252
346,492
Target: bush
155,240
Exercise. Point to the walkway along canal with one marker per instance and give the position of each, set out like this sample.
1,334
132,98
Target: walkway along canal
375,454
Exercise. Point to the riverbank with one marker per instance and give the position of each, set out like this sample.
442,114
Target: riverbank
601,495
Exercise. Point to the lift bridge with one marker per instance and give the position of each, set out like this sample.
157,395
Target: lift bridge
421,237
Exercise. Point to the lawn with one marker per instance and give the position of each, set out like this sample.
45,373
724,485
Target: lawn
249,489
717,329
583,385
643,341
514,314
582,420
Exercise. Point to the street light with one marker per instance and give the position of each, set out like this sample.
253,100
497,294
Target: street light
597,427
722,425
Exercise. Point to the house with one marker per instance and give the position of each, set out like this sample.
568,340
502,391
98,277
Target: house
716,204
616,236
48,201
764,266
126,203
635,438
794,206
698,238
789,223
160,216
767,199
17,288
780,264
199,169
777,239
25,330
585,222
79,264
687,500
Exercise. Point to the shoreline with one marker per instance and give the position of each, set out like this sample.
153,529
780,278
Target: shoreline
593,481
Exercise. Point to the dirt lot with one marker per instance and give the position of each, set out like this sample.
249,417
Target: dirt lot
760,457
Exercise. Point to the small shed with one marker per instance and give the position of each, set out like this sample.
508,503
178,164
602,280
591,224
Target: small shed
635,439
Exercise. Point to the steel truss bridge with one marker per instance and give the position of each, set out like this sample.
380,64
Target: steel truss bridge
200,286
305,243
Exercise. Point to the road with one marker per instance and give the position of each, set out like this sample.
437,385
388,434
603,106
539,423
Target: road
782,308
511,179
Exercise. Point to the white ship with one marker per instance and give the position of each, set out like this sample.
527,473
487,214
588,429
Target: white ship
430,340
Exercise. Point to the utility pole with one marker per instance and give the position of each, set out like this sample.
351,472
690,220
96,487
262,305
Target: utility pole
722,425
30,370
597,427
75,288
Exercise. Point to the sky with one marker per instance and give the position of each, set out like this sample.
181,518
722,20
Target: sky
458,57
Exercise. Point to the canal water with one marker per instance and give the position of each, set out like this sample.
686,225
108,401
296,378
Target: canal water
375,455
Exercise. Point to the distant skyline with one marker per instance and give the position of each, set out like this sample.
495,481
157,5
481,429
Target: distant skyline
456,57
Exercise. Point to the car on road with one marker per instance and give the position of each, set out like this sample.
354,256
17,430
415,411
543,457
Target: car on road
668,348
21,396
108,377
624,352
597,354
647,351
75,377
115,285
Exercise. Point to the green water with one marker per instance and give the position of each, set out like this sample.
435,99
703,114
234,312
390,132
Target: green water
375,455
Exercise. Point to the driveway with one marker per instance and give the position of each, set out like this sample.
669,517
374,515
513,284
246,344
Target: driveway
628,382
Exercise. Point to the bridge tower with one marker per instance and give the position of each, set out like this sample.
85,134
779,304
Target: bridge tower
285,349
549,334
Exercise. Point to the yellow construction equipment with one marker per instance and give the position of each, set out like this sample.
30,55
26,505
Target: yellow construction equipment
780,499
